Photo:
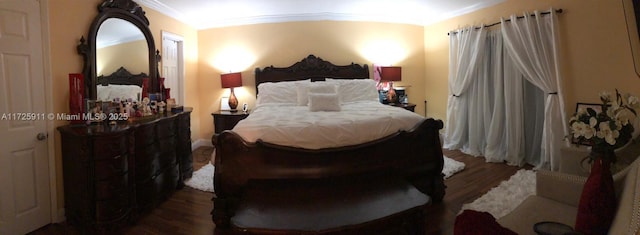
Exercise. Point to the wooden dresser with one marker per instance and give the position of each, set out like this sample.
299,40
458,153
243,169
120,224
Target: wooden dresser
114,173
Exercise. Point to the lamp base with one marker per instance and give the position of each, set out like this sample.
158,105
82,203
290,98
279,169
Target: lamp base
233,102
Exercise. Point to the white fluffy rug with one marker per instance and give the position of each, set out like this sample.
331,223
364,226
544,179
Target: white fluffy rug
202,179
502,199
451,167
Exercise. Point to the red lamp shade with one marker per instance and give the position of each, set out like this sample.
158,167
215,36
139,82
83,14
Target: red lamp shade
231,80
391,73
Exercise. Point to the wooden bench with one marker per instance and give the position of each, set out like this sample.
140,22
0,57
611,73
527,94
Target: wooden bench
387,207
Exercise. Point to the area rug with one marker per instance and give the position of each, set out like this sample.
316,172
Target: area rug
502,199
202,179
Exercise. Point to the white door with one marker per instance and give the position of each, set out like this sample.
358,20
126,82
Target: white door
24,165
172,66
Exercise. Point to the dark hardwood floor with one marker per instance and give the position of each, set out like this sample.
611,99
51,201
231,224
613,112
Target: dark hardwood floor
187,211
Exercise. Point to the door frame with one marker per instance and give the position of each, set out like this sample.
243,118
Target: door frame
181,70
57,214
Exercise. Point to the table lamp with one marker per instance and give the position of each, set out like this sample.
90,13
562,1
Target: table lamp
391,74
231,80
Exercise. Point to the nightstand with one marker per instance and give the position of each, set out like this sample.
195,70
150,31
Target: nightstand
408,106
225,120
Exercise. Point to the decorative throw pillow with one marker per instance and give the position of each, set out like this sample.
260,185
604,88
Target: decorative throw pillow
324,102
477,222
303,90
323,87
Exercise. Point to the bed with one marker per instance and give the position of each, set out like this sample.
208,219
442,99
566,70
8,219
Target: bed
245,156
121,84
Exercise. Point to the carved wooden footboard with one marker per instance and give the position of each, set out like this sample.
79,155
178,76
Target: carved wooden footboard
414,155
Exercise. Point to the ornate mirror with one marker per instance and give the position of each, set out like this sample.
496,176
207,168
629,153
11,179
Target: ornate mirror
119,42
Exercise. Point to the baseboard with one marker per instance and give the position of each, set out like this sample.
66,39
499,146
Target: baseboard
201,143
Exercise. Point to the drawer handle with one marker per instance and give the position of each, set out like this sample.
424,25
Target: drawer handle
117,157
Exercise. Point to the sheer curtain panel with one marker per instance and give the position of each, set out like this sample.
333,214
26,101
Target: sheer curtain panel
464,53
532,44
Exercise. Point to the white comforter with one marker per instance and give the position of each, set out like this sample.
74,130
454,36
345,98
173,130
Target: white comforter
296,126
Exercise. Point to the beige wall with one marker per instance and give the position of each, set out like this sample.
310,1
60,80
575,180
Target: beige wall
243,48
594,50
68,21
133,56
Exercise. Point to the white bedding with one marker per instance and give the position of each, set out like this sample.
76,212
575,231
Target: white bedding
296,126
123,92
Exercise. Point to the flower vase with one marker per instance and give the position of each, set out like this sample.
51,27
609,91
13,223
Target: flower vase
597,205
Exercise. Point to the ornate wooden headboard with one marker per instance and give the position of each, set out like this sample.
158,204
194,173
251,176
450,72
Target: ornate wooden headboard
313,68
121,77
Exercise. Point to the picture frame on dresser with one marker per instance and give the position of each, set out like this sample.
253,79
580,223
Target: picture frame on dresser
224,104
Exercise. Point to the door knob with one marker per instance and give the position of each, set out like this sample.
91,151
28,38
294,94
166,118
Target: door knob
41,136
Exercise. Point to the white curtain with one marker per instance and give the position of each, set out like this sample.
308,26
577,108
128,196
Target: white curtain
499,94
465,49
486,101
532,45
494,110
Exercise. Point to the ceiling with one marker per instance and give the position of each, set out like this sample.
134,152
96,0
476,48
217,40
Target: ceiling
203,14
115,31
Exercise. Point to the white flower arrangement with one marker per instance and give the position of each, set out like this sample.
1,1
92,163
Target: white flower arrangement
611,127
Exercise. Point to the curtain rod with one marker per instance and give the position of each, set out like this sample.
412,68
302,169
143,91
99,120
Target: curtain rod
518,17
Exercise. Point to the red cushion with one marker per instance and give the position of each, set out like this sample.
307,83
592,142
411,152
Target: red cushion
597,205
471,222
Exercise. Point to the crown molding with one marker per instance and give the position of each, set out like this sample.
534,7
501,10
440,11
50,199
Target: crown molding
324,16
205,23
164,9
469,9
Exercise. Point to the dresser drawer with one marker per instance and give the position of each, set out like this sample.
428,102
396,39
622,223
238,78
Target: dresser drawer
145,135
147,152
109,147
145,170
116,186
167,144
106,168
166,128
157,189
112,209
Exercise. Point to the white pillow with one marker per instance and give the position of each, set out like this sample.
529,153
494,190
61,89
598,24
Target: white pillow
102,92
278,92
324,102
124,92
354,90
302,94
303,90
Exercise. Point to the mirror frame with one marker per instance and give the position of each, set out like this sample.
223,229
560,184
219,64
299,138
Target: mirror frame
126,10
633,30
